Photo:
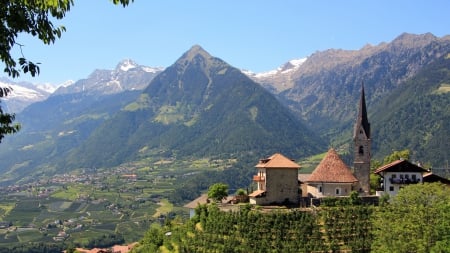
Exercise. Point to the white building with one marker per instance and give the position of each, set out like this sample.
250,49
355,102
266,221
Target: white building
397,175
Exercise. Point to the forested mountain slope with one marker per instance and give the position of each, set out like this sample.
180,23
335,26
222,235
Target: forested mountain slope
416,116
200,106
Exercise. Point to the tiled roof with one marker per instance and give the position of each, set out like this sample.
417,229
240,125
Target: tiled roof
400,166
303,177
203,199
431,178
256,193
277,161
332,170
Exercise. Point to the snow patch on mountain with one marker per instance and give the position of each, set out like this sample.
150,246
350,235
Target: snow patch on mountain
286,68
18,91
153,69
290,66
126,65
65,84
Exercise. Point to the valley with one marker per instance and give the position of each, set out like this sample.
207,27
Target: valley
85,205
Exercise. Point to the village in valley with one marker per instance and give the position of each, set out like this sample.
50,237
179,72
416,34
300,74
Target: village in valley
94,203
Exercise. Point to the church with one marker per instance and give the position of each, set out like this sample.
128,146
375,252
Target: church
278,181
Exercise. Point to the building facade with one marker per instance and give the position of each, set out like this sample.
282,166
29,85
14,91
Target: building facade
397,175
276,181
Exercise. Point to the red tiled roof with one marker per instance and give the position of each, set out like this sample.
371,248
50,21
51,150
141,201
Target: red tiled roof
256,193
332,170
277,161
303,177
400,166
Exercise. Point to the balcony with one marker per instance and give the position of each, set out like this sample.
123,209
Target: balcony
404,181
259,178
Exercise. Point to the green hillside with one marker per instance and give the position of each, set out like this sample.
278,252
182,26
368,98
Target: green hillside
416,116
198,107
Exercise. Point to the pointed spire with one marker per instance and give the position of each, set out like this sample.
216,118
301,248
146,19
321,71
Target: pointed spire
362,114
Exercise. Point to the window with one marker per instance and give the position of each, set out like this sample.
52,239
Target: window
320,188
391,188
338,191
361,150
394,175
414,177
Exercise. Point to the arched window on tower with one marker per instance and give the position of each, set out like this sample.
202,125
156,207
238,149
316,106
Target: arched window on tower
361,150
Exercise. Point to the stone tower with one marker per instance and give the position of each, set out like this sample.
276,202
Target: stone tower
361,141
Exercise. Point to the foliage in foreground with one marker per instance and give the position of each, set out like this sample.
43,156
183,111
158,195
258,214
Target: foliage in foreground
211,230
417,220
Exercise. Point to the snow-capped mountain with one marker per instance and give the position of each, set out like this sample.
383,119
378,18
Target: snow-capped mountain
281,76
127,75
23,94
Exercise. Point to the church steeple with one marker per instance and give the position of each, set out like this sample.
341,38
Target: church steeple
362,120
361,140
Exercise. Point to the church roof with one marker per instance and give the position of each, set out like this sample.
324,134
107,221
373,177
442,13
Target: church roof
277,161
332,170
362,115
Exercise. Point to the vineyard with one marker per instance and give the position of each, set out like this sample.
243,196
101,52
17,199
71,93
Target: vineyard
250,230
416,220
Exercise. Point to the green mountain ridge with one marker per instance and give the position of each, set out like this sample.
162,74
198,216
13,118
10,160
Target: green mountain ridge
417,116
200,106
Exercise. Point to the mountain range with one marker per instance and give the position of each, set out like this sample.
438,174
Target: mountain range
202,107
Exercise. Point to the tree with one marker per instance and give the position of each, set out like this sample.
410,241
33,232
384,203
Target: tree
6,119
418,217
397,155
218,191
34,18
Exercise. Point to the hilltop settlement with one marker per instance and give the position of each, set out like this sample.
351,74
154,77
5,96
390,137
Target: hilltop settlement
279,182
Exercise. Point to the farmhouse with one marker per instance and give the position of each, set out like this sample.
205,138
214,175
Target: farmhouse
401,173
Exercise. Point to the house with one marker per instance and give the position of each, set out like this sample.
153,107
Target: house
399,174
302,179
203,199
429,177
331,177
277,181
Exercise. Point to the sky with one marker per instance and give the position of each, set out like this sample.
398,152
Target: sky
255,35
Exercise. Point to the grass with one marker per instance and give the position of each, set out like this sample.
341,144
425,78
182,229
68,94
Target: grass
444,88
310,163
5,209
164,208
29,236
59,206
71,192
